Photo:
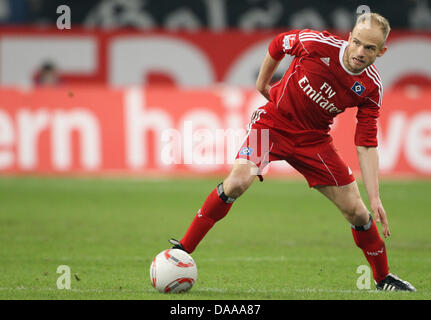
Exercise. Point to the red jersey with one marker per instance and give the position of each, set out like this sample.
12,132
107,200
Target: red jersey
317,87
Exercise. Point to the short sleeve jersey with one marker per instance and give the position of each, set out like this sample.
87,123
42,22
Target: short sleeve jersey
317,86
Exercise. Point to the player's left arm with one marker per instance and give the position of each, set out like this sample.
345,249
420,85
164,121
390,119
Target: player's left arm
369,163
366,145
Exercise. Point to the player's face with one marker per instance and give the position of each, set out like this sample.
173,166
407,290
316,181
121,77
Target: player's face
366,43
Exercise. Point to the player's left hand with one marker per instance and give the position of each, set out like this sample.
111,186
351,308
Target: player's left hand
380,216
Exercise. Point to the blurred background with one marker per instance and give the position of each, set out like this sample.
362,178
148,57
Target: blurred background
162,87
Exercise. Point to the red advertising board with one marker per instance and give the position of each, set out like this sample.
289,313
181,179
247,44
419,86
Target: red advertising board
169,130
192,59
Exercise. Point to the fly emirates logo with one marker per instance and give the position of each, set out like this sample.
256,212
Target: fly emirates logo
321,96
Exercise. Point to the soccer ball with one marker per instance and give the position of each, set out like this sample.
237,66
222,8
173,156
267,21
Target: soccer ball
173,270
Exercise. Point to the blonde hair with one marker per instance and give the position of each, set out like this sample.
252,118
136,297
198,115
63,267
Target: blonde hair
381,21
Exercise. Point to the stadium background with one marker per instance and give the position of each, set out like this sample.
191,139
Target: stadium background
154,89
131,74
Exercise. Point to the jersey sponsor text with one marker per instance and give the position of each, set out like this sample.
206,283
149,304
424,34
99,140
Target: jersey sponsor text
320,97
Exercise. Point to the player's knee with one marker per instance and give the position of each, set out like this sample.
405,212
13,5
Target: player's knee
355,211
349,204
235,186
239,180
349,209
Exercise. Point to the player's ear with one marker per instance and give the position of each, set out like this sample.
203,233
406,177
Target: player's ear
382,51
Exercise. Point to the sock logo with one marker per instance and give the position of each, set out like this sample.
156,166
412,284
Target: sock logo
199,213
376,253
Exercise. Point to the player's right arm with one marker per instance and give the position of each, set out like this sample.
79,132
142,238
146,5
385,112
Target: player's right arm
266,72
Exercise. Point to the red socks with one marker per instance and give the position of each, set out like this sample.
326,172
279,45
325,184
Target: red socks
213,210
368,239
217,205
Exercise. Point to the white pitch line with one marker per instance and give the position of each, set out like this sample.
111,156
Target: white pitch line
22,288
282,290
139,259
264,259
214,290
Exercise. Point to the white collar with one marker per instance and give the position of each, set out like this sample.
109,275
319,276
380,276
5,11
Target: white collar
342,49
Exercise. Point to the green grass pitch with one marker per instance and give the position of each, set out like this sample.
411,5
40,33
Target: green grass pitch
281,240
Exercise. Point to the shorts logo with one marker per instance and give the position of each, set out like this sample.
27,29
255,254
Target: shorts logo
358,88
246,151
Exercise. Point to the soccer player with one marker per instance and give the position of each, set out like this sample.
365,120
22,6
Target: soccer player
326,76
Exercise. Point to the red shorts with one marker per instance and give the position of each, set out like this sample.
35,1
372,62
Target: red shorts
318,162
